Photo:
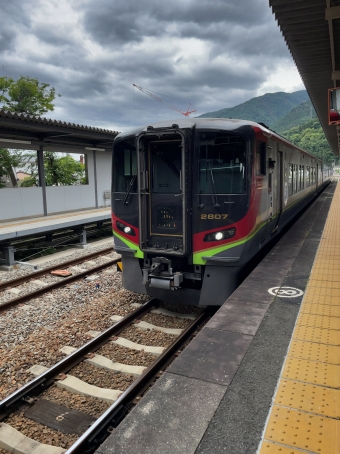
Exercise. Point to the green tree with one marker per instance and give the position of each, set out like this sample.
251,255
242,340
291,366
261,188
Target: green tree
28,182
8,160
64,171
310,137
26,95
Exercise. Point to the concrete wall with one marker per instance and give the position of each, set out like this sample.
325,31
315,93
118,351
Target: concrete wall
16,203
20,202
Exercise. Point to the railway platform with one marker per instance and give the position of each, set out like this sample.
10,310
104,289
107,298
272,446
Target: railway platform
263,376
14,230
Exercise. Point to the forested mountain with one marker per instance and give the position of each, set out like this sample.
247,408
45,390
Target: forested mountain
297,116
267,109
290,114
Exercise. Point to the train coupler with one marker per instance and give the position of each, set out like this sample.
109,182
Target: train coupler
159,274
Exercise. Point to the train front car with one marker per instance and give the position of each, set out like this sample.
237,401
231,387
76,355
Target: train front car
184,205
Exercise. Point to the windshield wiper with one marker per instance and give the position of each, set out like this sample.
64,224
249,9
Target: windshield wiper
133,179
213,189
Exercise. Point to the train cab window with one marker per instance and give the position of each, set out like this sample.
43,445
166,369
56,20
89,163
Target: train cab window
124,167
166,167
222,164
260,158
290,180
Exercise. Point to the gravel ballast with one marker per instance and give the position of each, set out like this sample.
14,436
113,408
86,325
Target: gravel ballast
40,433
101,377
34,333
77,253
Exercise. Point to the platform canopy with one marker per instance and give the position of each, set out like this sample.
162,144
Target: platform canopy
311,29
30,132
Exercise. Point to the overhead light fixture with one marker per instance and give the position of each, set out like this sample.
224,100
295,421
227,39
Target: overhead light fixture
95,149
15,141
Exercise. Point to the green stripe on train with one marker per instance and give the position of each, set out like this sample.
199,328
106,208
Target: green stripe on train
138,254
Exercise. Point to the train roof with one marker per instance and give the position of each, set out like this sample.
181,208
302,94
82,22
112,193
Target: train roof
198,123
226,124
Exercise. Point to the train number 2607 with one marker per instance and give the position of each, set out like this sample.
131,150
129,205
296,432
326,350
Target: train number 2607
214,216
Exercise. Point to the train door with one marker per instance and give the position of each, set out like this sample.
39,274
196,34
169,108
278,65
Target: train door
268,194
317,175
162,196
279,187
274,192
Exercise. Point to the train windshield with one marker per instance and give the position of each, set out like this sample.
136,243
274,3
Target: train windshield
222,163
125,167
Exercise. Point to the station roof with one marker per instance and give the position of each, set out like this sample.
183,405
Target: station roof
31,132
311,29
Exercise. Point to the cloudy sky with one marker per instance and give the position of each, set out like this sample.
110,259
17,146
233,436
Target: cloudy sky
210,53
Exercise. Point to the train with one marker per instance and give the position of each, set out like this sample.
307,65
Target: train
194,200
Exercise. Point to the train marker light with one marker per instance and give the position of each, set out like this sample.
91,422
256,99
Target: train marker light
218,236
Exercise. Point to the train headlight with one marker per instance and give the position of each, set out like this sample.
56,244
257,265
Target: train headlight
220,235
125,228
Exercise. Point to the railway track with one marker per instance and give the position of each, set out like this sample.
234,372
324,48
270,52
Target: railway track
27,400
60,282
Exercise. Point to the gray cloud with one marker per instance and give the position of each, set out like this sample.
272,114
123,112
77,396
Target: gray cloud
210,53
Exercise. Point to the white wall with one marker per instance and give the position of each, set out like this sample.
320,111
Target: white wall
103,161
20,202
69,198
16,203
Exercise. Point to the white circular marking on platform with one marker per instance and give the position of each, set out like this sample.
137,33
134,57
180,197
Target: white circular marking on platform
285,292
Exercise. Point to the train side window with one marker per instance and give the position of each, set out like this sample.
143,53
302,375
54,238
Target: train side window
260,158
301,175
295,179
290,180
307,177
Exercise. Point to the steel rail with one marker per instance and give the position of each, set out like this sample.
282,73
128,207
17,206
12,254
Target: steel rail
40,383
55,285
99,430
27,277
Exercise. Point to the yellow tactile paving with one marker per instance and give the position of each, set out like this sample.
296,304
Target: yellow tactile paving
310,398
271,448
323,284
325,276
315,352
305,416
312,372
326,291
324,336
321,299
319,321
298,429
321,309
